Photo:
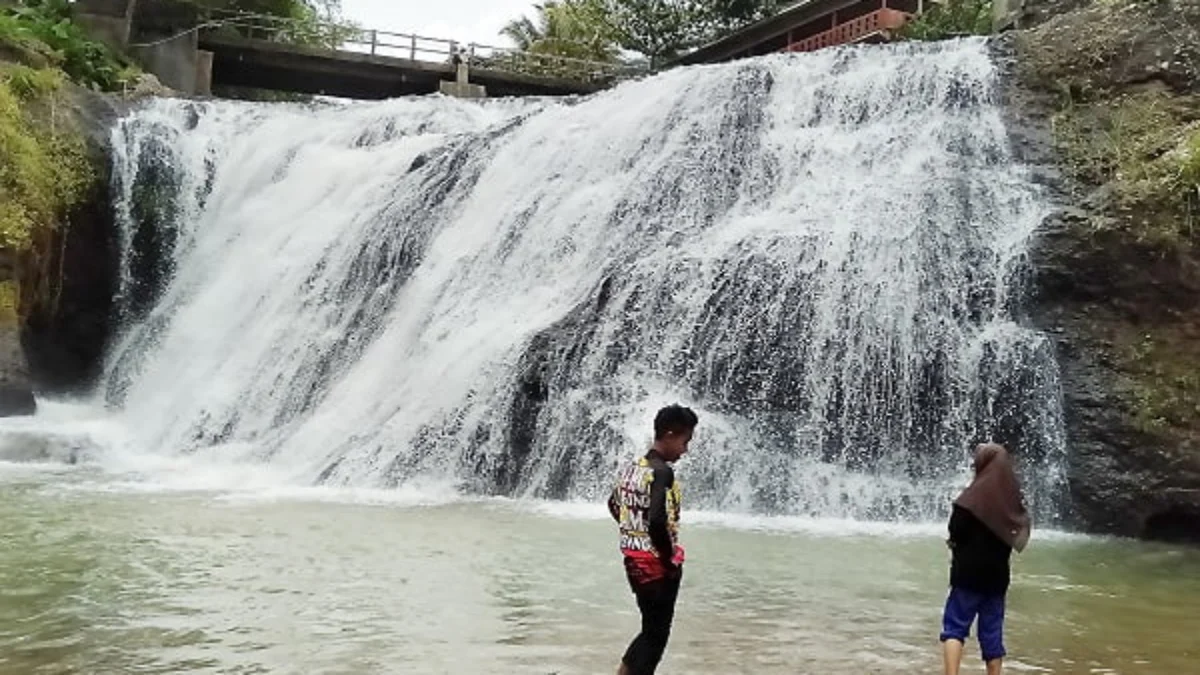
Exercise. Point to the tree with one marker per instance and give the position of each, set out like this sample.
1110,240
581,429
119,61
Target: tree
952,18
576,29
660,30
664,29
311,22
729,15
288,9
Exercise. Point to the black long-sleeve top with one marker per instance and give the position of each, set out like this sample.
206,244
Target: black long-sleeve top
980,559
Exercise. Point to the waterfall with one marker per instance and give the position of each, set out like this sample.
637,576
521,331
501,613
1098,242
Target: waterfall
823,254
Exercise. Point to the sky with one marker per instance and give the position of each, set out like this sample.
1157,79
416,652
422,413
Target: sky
477,21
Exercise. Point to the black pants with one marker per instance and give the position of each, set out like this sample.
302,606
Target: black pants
656,600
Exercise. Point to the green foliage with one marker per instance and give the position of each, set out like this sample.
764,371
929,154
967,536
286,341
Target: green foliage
43,164
285,9
305,22
951,18
662,30
1146,148
577,29
659,30
48,22
19,46
30,84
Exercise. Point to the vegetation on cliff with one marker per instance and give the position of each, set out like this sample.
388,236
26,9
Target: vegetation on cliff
41,34
44,167
45,171
1128,117
1119,263
45,164
1124,77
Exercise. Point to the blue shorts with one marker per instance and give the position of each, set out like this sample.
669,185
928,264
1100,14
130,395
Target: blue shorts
962,606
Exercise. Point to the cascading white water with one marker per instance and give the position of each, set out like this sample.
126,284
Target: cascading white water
821,253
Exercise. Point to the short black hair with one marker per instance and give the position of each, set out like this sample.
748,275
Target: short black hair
674,419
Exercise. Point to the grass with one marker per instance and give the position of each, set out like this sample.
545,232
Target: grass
1145,147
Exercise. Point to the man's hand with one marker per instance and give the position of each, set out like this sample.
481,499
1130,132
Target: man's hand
672,564
678,557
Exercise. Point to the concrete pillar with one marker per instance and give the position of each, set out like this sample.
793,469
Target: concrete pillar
109,21
204,66
461,87
176,62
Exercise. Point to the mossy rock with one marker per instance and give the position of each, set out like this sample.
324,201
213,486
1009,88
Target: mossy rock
44,167
16,46
1143,147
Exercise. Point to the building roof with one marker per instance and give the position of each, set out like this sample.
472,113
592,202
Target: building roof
786,19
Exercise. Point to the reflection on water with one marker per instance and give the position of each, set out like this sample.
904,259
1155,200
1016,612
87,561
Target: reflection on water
96,580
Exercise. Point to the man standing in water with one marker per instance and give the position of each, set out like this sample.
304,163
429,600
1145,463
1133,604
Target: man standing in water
988,521
645,504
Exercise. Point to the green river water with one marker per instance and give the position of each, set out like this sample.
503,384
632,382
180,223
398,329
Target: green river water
100,575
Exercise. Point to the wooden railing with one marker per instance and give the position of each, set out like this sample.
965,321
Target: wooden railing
877,22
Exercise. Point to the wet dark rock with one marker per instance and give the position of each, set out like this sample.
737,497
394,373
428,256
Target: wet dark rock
1118,276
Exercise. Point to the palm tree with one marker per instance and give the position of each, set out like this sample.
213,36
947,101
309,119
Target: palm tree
524,32
575,28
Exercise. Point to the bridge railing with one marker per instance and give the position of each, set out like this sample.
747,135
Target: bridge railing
333,36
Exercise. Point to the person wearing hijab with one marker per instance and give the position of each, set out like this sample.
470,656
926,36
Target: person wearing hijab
988,521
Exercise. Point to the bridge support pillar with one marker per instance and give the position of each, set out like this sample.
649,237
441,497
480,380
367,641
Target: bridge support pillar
178,63
204,67
175,60
460,87
109,21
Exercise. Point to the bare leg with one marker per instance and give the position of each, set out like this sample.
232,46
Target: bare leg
952,656
624,669
993,666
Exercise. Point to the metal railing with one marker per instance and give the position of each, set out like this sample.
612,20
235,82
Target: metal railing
340,37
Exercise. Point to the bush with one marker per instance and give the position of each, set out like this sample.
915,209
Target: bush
952,18
43,166
43,30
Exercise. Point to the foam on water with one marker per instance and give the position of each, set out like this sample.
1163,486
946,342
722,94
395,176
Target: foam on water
816,527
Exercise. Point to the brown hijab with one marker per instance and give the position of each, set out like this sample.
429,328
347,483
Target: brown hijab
994,496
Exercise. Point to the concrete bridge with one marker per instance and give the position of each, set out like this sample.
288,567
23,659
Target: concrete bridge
191,49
